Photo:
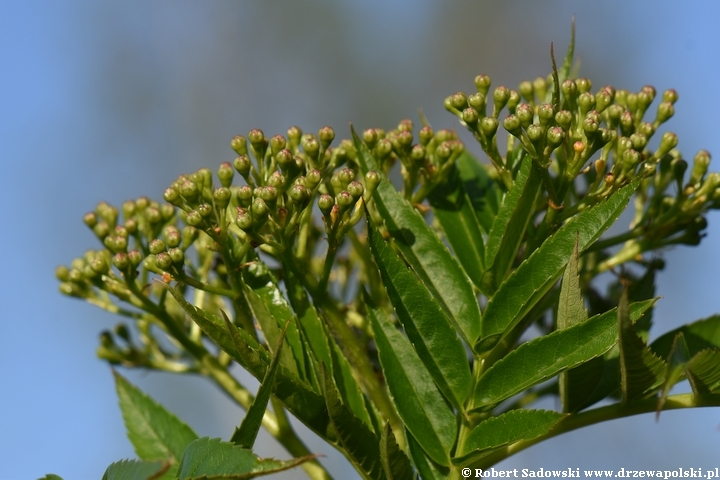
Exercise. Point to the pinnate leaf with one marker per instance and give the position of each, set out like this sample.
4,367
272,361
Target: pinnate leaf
435,340
213,458
703,371
676,364
155,433
395,463
542,358
505,429
135,470
698,335
536,275
419,403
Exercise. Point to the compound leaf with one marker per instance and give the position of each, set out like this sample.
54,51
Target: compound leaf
675,370
213,458
544,357
434,338
510,427
135,470
703,371
395,463
536,275
419,403
698,335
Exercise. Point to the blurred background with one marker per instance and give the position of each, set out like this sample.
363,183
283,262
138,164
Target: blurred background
112,100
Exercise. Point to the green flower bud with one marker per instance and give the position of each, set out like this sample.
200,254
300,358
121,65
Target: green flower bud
205,210
312,179
356,189
90,219
555,136
257,139
627,123
189,190
62,273
664,112
276,180
142,203
583,85
128,209
590,125
489,126
512,125
177,256
482,83
545,114
299,195
294,134
244,219
526,90
501,95
700,167
586,102
121,261
222,197
513,101
638,141
406,125
372,180
405,140
346,175
417,154
425,135
670,96
277,143
569,90
131,226
525,114
99,265
326,203
244,196
76,275
163,261
167,211
242,164
564,119
540,86
477,101
172,236
458,101
101,229
157,246
370,137
326,135
239,144
135,258
535,133
630,159
603,99
225,174
383,148
120,243
646,129
259,209
193,218
667,142
108,213
679,167
310,145
344,201
470,116
172,196
153,215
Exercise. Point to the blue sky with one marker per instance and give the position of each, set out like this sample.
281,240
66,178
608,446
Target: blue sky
112,100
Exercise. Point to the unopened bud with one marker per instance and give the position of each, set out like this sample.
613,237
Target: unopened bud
370,137
244,219
477,101
564,119
545,114
225,174
489,126
512,125
700,167
326,203
670,96
526,90
525,114
163,261
425,135
664,112
555,136
239,144
584,85
482,83
470,116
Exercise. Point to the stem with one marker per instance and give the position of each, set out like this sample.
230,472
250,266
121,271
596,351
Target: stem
603,414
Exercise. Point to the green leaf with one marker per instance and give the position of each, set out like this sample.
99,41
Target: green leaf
434,338
325,349
51,476
698,336
307,405
571,311
508,229
589,383
675,371
426,254
544,357
245,435
395,463
564,72
273,313
703,371
481,190
455,214
505,429
155,433
536,275
135,470
419,403
640,370
357,440
213,458
427,469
